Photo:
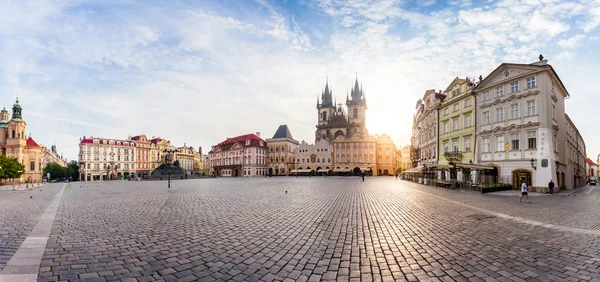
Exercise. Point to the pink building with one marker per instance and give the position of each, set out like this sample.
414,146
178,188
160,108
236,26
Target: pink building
244,155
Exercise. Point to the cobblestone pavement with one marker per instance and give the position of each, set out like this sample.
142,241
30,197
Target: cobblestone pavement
321,229
18,214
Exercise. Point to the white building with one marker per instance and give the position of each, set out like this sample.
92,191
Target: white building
317,157
523,131
244,155
106,159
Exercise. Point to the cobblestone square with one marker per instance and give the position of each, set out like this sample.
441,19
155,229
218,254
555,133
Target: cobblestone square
303,229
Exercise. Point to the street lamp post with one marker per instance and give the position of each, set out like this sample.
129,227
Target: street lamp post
169,162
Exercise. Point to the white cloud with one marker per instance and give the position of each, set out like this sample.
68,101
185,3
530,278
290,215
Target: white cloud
572,42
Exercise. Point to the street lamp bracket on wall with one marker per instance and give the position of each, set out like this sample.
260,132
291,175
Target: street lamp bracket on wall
532,161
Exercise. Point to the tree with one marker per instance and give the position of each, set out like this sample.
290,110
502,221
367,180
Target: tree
56,171
177,164
73,170
11,167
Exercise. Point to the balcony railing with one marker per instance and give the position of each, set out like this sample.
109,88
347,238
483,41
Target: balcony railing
453,156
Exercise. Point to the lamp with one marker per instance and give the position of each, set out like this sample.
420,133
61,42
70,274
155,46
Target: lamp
470,161
532,161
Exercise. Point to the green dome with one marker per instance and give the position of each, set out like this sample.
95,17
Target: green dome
17,105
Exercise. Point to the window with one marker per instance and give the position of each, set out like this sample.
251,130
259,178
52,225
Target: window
514,110
32,165
486,96
499,143
531,82
455,145
514,87
499,114
467,121
445,111
455,107
531,140
468,144
467,102
514,137
455,124
486,145
486,117
445,147
531,107
500,91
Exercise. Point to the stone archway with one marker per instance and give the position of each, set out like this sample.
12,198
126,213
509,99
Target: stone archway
356,171
520,175
386,172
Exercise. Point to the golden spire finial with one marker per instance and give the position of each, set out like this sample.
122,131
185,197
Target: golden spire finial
17,97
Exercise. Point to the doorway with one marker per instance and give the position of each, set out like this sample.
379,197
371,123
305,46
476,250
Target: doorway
519,176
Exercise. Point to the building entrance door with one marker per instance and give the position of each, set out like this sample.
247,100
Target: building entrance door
519,176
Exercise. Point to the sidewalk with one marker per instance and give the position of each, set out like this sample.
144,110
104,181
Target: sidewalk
515,193
8,189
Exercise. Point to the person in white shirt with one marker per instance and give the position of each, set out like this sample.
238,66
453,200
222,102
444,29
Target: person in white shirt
524,192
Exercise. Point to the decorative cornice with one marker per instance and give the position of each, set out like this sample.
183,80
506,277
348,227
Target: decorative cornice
510,98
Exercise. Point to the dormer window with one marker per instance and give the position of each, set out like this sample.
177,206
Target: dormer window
247,142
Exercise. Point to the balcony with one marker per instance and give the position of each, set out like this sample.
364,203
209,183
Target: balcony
453,156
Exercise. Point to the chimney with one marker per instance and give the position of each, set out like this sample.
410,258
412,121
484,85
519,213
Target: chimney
258,134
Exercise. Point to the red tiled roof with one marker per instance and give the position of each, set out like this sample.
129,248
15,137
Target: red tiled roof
31,143
135,138
589,161
242,138
90,141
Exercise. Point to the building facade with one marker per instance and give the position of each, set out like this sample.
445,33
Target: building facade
387,156
106,159
187,157
52,156
424,140
244,155
405,161
313,158
282,148
157,147
143,156
591,168
15,144
523,131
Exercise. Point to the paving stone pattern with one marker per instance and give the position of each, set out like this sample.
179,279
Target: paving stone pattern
18,215
322,230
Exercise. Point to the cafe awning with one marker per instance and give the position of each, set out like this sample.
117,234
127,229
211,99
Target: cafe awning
474,166
341,170
365,169
323,170
301,170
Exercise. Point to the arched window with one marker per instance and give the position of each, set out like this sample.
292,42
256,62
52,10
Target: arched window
32,166
355,114
13,133
324,116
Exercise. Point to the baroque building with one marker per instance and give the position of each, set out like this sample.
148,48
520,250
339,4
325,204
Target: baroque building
143,155
523,131
457,130
106,159
15,144
313,158
282,148
424,140
244,155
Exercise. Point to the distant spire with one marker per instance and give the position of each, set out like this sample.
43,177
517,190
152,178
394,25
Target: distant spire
17,97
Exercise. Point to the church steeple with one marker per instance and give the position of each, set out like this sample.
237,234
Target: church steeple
326,95
356,91
17,110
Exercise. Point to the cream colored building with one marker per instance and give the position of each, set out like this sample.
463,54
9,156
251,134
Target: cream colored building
106,159
387,156
143,157
187,158
424,138
313,158
405,161
15,144
282,149
523,131
157,155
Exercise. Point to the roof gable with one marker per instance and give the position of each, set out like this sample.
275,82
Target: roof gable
283,132
506,72
456,81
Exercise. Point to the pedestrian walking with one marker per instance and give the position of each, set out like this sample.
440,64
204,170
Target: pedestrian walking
396,176
551,187
524,192
362,174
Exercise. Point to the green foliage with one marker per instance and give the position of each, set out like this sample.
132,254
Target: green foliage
73,170
11,168
56,171
177,164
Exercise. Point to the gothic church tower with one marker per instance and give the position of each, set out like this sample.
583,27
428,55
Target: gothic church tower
326,110
357,107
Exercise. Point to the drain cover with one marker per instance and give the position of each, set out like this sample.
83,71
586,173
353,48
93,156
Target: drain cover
480,216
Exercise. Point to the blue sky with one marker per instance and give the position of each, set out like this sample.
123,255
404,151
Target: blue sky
200,71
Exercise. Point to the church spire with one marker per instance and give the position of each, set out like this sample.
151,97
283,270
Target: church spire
326,96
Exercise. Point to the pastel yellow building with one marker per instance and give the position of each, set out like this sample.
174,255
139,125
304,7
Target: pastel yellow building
457,130
15,144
